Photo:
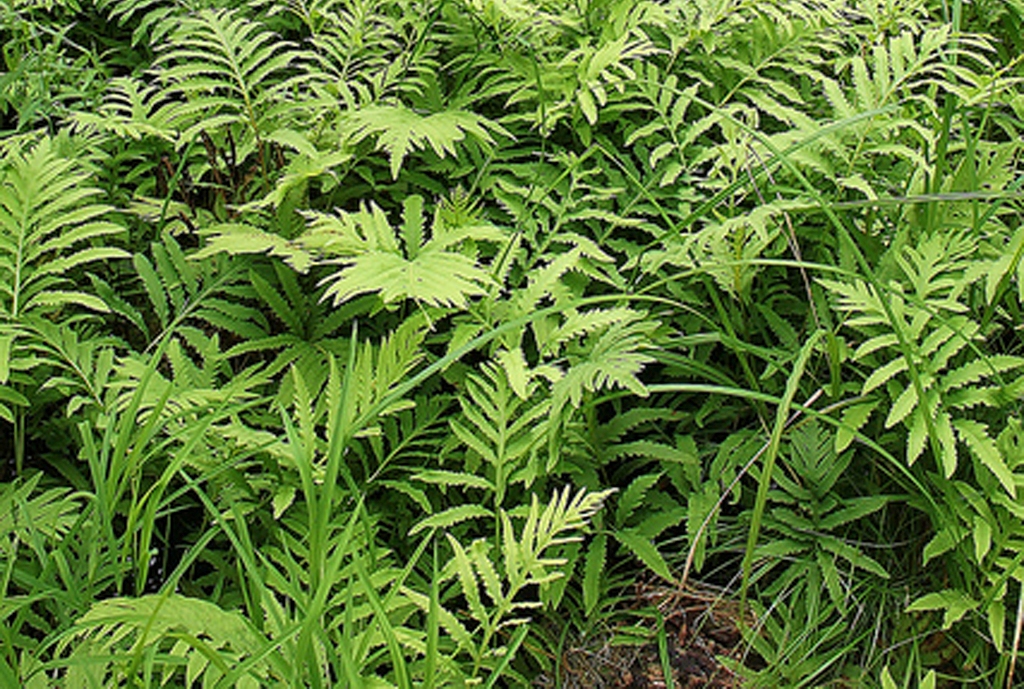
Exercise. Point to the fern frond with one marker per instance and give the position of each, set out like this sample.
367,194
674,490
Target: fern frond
26,515
400,130
227,68
931,340
524,556
451,517
131,110
49,227
615,360
153,19
214,640
181,288
373,261
603,66
499,426
82,365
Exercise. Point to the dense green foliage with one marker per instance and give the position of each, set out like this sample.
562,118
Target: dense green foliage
376,343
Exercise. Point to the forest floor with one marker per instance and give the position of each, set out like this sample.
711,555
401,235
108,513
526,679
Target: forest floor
702,640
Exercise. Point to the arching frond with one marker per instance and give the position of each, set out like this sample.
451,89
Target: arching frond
227,68
50,225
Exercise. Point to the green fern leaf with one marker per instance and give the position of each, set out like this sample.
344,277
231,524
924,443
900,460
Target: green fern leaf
640,546
594,567
524,556
46,216
447,620
975,435
240,238
979,369
661,452
467,580
368,249
616,360
499,426
205,633
902,406
132,110
516,370
633,496
451,517
435,277
852,555
947,442
955,604
9,398
227,68
400,130
453,478
26,516
853,420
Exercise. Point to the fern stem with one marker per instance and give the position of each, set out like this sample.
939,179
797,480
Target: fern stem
19,441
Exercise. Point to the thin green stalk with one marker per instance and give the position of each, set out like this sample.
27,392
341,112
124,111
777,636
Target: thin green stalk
663,654
768,468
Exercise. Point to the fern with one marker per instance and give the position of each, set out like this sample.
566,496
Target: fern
29,513
381,250
153,20
501,428
808,503
602,67
522,562
210,639
304,323
48,219
426,269
183,291
352,401
131,110
400,130
614,359
226,70
50,229
938,353
82,363
728,250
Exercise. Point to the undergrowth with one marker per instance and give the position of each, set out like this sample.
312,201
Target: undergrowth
394,343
